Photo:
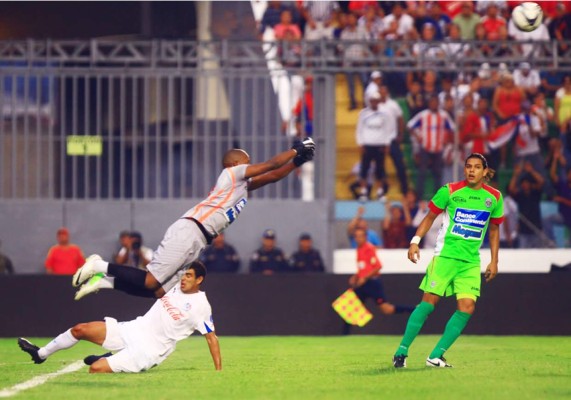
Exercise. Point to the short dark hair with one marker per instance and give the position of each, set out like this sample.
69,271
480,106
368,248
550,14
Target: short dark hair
199,269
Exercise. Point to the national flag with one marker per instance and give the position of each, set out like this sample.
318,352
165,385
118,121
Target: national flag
502,134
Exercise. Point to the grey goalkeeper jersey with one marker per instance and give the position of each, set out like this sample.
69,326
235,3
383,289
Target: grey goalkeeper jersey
224,203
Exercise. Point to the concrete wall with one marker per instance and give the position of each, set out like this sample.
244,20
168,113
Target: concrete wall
515,304
28,228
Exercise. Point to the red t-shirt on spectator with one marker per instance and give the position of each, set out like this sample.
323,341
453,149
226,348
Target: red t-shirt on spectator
367,260
471,125
492,27
64,260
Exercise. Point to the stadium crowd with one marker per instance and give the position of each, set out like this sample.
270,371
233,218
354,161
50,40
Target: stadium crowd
514,114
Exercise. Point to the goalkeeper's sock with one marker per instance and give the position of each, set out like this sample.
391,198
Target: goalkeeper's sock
133,290
135,277
413,326
454,328
403,309
61,342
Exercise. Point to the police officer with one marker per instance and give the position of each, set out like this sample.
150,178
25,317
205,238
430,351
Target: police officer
220,256
268,259
306,258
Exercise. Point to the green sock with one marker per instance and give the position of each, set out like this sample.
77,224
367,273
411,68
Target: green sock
413,326
454,328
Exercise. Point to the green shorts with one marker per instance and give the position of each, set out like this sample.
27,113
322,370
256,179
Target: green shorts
447,276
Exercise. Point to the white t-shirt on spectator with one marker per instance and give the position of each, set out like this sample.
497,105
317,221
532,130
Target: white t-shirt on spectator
405,24
541,33
526,143
532,80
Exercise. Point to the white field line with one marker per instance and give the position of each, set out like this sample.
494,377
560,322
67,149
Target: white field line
40,380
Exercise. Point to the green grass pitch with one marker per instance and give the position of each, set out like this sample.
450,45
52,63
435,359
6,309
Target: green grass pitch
353,367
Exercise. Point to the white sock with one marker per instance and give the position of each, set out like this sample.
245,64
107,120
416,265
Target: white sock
61,342
100,266
107,282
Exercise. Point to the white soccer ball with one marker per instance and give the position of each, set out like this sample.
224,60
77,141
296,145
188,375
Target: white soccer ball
527,16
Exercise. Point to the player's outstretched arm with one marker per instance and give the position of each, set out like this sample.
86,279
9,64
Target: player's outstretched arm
279,160
494,236
214,347
425,225
271,177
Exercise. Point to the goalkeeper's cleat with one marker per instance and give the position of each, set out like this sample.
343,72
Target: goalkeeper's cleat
91,286
86,271
93,358
439,362
31,349
399,361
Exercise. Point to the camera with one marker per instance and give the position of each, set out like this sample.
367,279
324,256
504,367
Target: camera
136,245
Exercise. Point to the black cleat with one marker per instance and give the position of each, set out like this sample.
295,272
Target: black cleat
91,359
399,361
31,349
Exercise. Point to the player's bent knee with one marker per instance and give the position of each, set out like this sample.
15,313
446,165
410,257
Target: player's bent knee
100,366
79,331
466,305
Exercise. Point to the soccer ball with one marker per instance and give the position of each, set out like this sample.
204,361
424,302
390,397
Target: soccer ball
527,16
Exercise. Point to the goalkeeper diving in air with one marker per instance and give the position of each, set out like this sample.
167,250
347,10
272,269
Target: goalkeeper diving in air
189,235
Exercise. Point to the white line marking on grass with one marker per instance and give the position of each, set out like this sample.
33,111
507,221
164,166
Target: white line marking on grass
40,380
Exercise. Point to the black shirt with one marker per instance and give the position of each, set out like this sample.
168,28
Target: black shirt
225,259
306,262
272,260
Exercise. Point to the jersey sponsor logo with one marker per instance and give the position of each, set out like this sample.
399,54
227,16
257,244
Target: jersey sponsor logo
173,311
458,199
233,212
473,218
466,233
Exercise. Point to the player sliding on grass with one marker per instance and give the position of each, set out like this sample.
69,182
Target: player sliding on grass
469,206
148,340
189,235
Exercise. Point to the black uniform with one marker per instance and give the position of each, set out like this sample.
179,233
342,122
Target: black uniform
306,262
273,260
225,259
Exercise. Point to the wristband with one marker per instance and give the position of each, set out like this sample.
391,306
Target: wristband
415,240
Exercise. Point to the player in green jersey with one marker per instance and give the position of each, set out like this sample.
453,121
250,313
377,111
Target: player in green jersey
470,207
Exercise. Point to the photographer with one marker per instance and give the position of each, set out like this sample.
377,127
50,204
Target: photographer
134,253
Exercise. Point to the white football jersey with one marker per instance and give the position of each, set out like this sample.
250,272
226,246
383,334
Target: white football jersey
173,317
224,202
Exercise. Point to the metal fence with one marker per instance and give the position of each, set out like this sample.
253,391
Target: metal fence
155,117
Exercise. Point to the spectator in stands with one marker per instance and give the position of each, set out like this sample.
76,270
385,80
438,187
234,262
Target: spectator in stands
414,99
319,19
303,113
339,23
64,258
360,8
545,115
358,222
506,104
488,82
480,35
124,240
422,19
551,82
448,89
398,24
6,266
353,56
373,86
492,22
467,21
396,129
306,258
372,22
559,27
134,254
509,229
273,14
220,256
373,135
483,5
526,187
397,220
268,259
453,47
561,179
427,50
286,25
562,104
443,21
527,79
429,84
472,136
432,137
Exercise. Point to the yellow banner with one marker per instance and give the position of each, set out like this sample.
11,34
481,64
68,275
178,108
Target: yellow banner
81,145
351,309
